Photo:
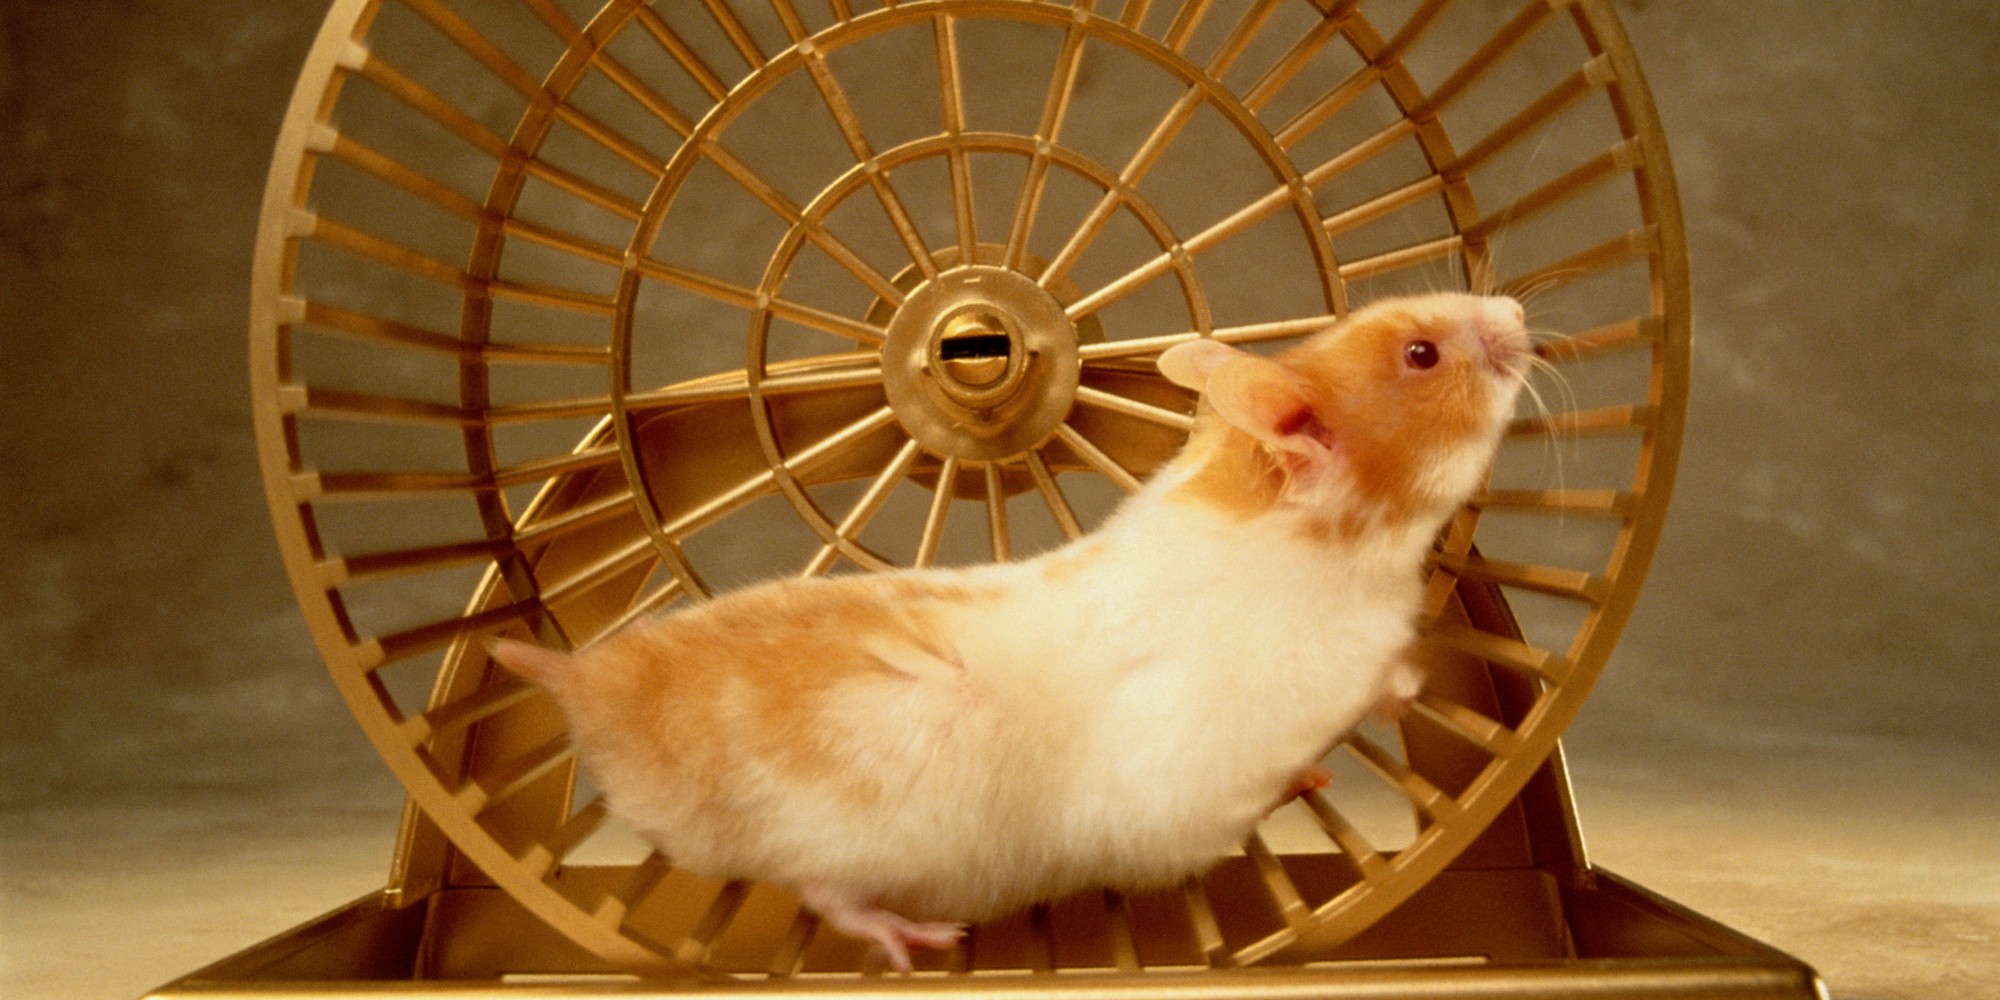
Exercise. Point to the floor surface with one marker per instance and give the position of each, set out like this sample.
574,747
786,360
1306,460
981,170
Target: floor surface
1870,860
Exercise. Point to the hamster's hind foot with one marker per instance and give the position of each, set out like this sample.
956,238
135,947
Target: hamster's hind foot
891,932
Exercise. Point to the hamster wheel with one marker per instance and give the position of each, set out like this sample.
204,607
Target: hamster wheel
565,313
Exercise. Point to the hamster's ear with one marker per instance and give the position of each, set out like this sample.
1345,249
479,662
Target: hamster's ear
530,661
1188,364
1252,393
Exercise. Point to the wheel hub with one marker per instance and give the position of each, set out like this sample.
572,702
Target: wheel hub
980,363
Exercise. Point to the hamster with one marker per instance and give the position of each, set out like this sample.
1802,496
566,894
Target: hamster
913,750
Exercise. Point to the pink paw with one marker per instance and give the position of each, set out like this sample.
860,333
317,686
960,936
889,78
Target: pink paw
893,934
1312,779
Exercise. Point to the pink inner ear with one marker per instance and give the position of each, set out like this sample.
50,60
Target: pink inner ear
1303,435
1299,421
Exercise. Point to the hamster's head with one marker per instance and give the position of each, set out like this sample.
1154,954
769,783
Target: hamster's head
1394,412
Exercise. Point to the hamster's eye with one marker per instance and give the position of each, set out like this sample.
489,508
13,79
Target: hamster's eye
1420,354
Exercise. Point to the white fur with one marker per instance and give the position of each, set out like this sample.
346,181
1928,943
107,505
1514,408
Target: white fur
1126,725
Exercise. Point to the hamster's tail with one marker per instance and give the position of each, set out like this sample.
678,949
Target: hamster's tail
543,666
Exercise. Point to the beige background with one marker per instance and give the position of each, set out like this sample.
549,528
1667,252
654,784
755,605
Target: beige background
1798,735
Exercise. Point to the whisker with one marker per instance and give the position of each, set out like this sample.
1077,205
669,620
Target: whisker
1558,383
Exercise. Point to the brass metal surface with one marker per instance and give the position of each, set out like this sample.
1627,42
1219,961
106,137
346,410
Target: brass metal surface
986,409
566,319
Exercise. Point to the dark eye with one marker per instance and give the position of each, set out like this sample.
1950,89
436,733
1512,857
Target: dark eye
1420,354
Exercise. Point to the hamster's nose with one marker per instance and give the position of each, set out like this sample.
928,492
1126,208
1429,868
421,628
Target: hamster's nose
1503,331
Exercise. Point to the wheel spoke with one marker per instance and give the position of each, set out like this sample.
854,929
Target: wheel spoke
996,514
634,555
1410,256
814,231
927,546
1473,728
346,323
644,878
1295,58
682,53
542,858
655,600
878,180
1142,162
745,297
339,571
1113,350
696,947
739,36
1386,204
389,170
1048,132
1095,457
865,509
829,372
1240,37
511,776
646,97
951,93
1506,40
1641,333
1428,799
1041,940
1185,21
790,957
1124,943
1378,65
1278,884
1201,919
751,488
1591,503
1501,651
1570,584
476,45
1361,152
1053,495
1127,283
1619,159
540,528
1366,861
456,716
1180,256
789,17
1610,253
1133,408
1593,75
1134,13
1631,419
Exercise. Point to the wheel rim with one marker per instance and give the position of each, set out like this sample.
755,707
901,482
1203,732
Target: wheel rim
952,363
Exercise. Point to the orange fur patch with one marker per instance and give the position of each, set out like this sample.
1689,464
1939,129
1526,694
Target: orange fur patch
1236,476
747,677
1391,426
1063,567
1389,423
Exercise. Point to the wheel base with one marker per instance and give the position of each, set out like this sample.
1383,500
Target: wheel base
1491,933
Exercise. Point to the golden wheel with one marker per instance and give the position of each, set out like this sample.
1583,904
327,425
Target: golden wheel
565,314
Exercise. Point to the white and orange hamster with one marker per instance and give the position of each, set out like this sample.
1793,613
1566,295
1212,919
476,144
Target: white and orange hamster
914,749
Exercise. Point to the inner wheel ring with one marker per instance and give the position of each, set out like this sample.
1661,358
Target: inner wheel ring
875,171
